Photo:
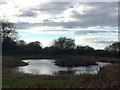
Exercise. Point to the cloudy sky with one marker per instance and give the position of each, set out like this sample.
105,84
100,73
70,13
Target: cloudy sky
89,23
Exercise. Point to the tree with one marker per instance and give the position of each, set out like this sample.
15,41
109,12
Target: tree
7,30
84,50
64,43
21,42
114,47
8,45
34,47
8,36
36,43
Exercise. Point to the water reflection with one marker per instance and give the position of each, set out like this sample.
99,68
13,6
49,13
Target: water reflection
48,67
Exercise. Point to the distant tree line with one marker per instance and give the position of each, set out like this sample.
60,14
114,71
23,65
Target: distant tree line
60,46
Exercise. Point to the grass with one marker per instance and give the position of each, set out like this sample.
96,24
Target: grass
108,77
32,83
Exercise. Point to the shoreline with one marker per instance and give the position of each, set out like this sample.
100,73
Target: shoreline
69,61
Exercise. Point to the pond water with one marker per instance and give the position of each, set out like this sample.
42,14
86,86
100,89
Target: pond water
48,67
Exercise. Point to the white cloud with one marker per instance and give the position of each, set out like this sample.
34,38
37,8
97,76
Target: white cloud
98,42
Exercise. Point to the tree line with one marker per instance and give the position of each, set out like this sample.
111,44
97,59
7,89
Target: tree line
61,46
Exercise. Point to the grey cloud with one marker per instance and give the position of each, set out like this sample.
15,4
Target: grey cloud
25,26
54,7
2,2
85,23
28,13
75,32
99,7
105,42
101,40
56,30
100,15
94,31
85,0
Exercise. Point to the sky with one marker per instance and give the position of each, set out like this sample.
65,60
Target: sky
89,23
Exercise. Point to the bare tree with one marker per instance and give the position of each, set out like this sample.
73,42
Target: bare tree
7,30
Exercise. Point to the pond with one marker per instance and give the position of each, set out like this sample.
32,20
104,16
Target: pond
48,67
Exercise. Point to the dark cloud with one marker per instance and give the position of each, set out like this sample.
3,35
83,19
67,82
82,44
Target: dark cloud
27,13
23,25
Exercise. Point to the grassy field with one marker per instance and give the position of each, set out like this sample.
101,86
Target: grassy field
108,77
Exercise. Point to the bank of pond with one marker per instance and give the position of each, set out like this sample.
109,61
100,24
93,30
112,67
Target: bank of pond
48,67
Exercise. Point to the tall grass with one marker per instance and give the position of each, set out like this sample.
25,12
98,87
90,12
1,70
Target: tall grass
70,61
8,61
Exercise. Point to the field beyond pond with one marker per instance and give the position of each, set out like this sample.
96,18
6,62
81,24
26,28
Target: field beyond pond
108,77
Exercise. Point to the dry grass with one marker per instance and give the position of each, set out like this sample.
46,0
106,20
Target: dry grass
70,61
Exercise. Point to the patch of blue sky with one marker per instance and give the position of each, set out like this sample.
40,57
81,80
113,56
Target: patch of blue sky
30,35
